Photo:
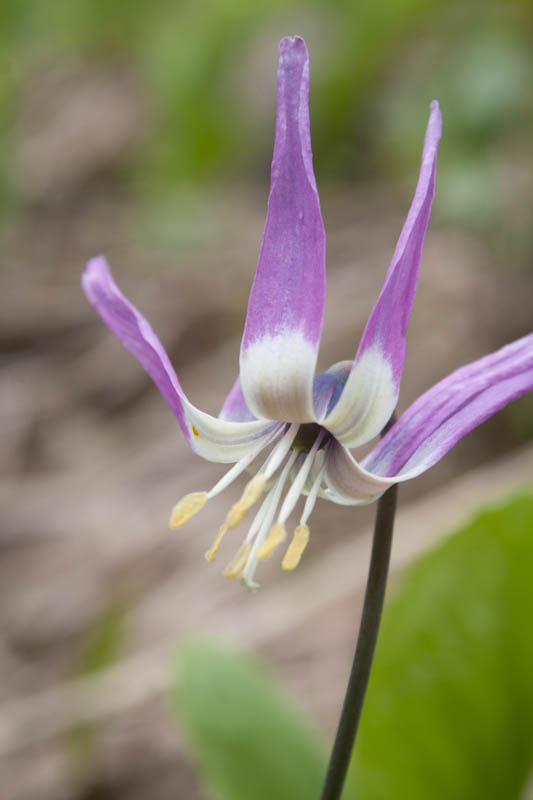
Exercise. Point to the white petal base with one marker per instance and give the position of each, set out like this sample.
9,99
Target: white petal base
277,377
367,401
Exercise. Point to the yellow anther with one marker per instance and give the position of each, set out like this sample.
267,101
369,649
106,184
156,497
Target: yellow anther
212,552
292,557
187,507
276,536
238,562
252,492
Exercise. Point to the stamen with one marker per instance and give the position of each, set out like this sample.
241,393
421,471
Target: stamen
280,451
262,521
256,524
300,537
296,489
254,488
211,554
252,492
273,500
313,494
259,518
240,466
238,562
292,557
187,507
276,536
192,503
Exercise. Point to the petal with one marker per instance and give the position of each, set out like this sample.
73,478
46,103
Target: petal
451,409
214,439
372,389
348,482
286,306
327,388
235,408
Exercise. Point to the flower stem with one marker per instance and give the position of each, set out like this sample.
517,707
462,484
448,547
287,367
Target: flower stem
364,650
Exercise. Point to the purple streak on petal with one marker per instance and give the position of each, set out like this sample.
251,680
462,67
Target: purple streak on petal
235,408
289,286
135,333
452,408
387,325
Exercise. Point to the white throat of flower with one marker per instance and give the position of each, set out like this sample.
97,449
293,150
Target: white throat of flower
267,530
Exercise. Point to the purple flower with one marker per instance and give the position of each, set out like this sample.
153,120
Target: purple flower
279,418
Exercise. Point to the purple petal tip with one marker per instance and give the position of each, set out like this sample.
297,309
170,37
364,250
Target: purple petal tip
293,47
435,118
97,268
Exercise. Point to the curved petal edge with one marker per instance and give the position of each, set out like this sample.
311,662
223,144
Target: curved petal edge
214,439
435,422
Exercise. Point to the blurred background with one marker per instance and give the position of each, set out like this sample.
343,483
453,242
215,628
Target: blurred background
144,130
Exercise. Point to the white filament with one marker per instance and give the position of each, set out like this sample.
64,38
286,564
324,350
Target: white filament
312,496
240,466
293,495
266,522
281,450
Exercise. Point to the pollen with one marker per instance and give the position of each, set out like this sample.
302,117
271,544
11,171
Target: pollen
292,557
276,536
211,554
187,507
252,492
238,562
194,430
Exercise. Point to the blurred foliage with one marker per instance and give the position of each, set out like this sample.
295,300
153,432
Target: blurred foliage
449,711
102,647
207,72
248,740
104,642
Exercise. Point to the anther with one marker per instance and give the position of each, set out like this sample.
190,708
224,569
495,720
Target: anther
276,536
211,554
292,557
187,507
238,562
252,492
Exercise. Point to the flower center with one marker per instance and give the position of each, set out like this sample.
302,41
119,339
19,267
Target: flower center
307,436
292,458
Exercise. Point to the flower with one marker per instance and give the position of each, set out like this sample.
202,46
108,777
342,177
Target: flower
280,419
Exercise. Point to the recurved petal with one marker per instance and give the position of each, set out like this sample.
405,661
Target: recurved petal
214,439
286,306
371,391
435,422
348,482
235,408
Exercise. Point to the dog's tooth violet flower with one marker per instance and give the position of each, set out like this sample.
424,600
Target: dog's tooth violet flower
295,429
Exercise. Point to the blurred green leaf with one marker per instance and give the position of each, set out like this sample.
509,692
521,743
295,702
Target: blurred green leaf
101,649
449,712
248,740
104,641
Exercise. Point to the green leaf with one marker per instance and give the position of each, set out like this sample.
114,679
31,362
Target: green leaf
249,743
104,642
449,712
101,649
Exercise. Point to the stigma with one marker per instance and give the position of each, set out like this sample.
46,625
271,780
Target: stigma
294,467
